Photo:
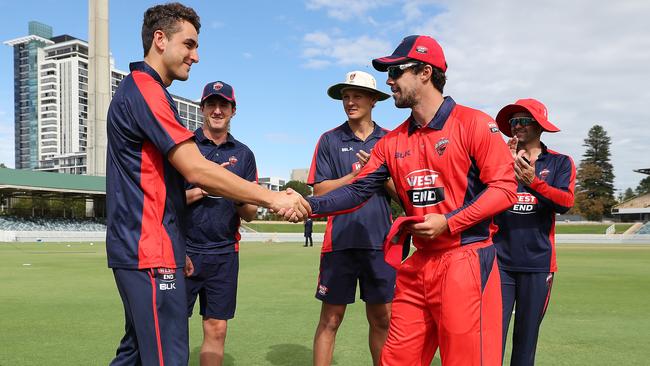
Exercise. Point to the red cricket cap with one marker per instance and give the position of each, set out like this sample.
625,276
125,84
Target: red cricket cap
415,47
394,243
530,105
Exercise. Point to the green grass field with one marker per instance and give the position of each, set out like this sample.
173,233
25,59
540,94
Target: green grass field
59,306
319,227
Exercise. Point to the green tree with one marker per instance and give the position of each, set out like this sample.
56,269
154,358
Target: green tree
595,176
298,186
629,193
2,165
644,186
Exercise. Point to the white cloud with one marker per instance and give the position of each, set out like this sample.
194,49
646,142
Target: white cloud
323,50
588,62
348,10
215,24
247,55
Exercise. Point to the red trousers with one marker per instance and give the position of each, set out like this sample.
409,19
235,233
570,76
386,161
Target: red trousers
449,299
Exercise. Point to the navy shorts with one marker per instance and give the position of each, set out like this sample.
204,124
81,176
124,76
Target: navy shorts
340,271
214,281
155,307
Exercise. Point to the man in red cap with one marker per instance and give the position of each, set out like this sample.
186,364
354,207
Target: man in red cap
451,167
526,238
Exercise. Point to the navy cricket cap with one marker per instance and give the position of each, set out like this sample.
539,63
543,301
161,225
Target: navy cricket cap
415,47
221,89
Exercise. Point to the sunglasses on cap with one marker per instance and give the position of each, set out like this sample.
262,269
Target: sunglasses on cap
522,121
395,71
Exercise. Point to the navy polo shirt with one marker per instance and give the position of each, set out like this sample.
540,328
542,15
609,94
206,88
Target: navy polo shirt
213,222
145,196
525,241
335,157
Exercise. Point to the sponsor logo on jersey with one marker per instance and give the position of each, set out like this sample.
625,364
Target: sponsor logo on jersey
322,290
167,279
526,204
544,174
423,191
441,145
232,160
402,155
346,149
493,127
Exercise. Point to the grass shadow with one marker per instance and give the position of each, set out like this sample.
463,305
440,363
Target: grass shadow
195,354
290,355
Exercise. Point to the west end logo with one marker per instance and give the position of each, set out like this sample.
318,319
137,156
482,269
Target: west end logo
526,204
423,191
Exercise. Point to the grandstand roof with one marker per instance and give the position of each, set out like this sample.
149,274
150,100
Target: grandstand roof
643,171
17,182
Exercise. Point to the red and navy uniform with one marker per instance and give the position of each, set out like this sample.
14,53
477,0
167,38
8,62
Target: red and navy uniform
213,234
526,249
352,245
145,199
459,166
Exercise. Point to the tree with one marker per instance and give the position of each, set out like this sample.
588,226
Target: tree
644,186
595,176
298,186
629,193
2,165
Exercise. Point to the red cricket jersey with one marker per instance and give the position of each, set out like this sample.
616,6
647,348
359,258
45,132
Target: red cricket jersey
458,165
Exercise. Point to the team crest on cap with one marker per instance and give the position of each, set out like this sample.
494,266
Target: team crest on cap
352,76
421,49
441,145
217,86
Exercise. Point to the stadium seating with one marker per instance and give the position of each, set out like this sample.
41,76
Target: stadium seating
645,229
15,223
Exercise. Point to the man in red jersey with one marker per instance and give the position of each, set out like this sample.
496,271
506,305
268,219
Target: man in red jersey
450,166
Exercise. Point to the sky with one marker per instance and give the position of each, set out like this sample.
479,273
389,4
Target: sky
587,61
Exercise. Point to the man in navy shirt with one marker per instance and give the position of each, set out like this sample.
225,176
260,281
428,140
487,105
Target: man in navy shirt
352,247
149,154
525,241
213,223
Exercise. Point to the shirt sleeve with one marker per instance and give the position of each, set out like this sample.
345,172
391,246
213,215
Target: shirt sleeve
321,168
251,168
560,193
353,195
154,115
496,166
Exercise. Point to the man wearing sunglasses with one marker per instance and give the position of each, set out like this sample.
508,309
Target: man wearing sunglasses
526,238
451,168
352,247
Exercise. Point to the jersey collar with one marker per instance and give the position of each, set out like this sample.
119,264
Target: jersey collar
200,137
348,134
438,121
144,67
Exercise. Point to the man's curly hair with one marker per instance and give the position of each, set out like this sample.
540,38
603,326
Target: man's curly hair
166,18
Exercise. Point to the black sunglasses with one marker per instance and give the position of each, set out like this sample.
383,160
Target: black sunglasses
395,71
523,121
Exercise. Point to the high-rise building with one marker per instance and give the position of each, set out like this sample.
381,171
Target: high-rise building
52,105
26,51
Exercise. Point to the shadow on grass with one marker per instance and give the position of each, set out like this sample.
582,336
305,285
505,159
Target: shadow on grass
228,360
290,355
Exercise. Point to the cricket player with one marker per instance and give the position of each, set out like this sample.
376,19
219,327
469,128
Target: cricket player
352,246
213,223
451,167
150,153
526,238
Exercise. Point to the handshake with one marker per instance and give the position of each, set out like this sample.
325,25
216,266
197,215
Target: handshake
290,205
